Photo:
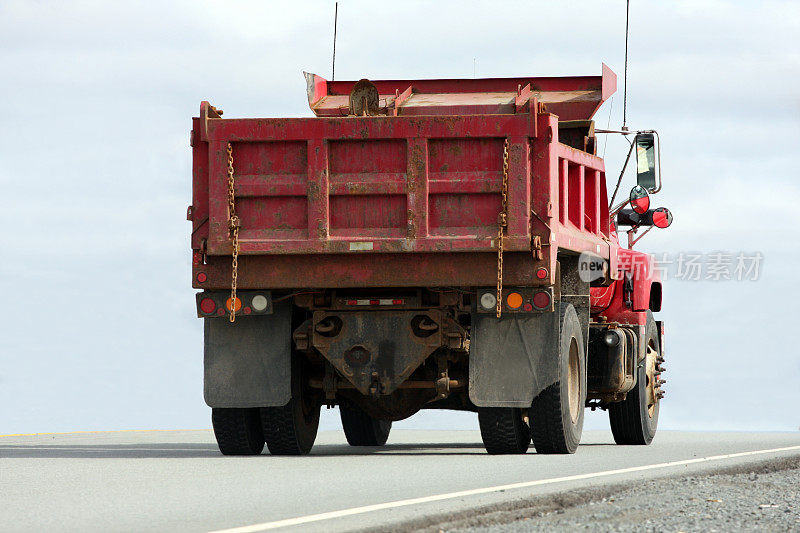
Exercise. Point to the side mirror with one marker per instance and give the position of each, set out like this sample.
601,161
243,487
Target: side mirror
662,217
646,161
640,199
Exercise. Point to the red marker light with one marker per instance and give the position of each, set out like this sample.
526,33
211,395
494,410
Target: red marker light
541,300
201,277
527,307
247,310
541,273
641,205
207,306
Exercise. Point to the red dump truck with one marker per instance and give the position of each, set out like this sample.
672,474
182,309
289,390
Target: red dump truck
424,244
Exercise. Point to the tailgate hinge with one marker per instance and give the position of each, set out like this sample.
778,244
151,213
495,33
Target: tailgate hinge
536,247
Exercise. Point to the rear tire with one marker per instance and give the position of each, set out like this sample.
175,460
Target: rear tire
503,430
363,430
238,431
635,419
556,414
292,429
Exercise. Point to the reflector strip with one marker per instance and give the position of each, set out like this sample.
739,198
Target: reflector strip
382,301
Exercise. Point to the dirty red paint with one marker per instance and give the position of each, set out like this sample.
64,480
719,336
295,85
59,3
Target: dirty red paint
378,199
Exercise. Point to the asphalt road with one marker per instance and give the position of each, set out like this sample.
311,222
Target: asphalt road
762,498
177,481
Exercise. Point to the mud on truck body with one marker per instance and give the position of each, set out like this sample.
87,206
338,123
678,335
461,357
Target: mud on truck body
423,244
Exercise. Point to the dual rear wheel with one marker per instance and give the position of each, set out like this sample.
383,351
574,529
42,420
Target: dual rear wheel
287,430
554,422
292,428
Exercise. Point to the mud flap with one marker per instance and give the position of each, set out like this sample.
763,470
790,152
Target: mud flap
512,359
248,362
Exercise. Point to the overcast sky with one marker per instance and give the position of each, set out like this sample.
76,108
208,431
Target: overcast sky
98,328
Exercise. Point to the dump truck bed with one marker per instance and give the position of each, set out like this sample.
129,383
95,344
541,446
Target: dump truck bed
409,196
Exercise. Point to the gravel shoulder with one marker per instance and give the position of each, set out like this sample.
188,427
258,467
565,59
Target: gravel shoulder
764,497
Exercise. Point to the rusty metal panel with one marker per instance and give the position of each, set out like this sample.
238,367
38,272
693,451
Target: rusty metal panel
377,350
465,178
198,211
355,128
430,184
572,98
368,270
513,358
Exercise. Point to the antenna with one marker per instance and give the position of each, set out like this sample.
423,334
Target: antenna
335,22
625,79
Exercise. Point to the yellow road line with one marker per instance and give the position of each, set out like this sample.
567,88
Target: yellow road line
100,431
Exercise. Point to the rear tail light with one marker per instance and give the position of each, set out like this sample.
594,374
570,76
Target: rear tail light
541,300
541,273
207,306
201,277
518,300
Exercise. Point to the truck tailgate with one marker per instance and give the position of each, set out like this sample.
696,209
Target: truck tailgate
363,184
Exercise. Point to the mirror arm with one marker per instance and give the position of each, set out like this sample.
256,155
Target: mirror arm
658,150
623,132
615,210
632,231
619,180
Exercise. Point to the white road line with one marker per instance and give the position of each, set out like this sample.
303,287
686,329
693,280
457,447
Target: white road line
486,490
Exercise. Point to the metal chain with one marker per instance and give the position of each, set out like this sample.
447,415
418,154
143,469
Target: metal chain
233,224
502,223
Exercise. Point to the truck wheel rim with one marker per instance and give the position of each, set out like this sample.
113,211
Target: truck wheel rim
651,392
574,381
